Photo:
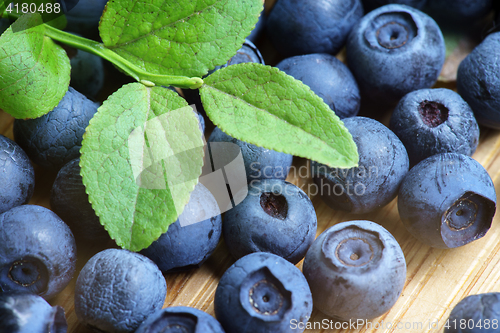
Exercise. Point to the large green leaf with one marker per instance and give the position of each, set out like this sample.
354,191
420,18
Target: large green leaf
264,106
34,71
178,37
142,154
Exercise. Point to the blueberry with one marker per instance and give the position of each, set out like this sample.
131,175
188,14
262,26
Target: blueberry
262,293
276,217
259,28
383,163
475,314
191,239
27,313
84,17
69,200
87,72
247,53
393,50
17,176
447,200
329,78
458,11
181,319
54,139
478,81
298,27
370,5
37,258
433,121
4,25
356,270
117,290
260,163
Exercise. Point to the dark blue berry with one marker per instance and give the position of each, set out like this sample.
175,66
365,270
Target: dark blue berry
370,5
447,200
17,176
180,319
87,72
84,17
117,290
383,163
27,313
191,239
458,11
356,270
69,200
37,251
329,78
54,139
475,314
298,27
433,121
276,217
260,163
262,293
478,81
393,50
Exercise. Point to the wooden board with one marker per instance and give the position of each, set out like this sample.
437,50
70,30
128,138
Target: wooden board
436,279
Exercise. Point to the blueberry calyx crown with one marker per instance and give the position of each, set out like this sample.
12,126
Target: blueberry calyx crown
433,113
391,30
352,247
26,274
266,295
274,205
467,219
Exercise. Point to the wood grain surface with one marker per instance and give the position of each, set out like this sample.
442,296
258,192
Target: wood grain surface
436,279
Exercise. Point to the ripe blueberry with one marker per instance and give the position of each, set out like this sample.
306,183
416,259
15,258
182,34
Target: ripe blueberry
356,270
117,290
260,163
181,319
475,314
37,251
478,81
262,293
383,163
433,121
329,78
310,26
70,202
447,200
17,176
393,50
276,216
191,239
27,313
55,138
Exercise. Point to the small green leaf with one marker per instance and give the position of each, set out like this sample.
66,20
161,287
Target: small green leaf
175,37
141,156
266,107
34,71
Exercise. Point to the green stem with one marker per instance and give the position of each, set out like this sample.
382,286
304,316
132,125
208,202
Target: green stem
123,64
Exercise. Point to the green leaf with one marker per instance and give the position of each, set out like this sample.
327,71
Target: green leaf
34,71
178,37
141,156
266,107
